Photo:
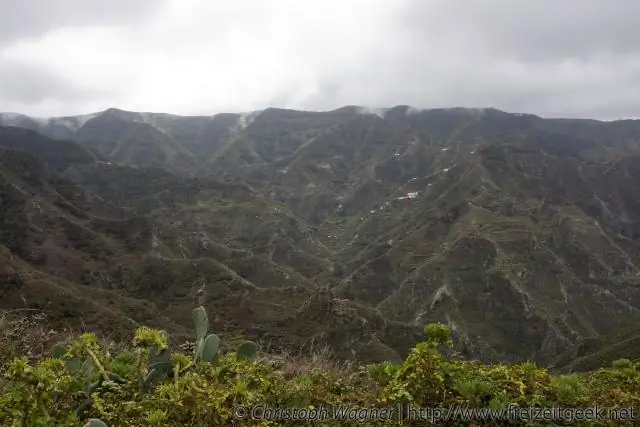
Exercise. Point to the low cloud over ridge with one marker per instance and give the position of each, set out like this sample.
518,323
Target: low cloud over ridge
575,58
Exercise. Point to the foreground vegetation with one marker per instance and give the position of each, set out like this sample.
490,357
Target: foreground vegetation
148,384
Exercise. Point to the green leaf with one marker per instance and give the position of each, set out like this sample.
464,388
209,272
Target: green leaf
154,375
79,367
93,387
159,357
74,365
161,366
87,369
84,407
116,378
58,351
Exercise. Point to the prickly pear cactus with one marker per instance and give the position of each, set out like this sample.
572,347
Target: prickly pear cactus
201,322
246,350
210,348
94,422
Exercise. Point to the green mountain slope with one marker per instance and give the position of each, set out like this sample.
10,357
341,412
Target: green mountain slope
76,238
146,146
519,232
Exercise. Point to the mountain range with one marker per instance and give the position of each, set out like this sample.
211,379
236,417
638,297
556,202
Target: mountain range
351,228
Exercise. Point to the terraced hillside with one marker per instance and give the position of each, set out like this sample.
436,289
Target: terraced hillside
67,250
356,228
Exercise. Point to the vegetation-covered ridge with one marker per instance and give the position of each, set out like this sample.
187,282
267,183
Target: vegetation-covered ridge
148,384
521,233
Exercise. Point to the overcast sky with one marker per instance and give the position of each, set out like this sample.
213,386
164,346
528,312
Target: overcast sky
571,58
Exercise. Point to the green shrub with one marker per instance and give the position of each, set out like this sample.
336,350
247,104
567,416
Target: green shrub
148,384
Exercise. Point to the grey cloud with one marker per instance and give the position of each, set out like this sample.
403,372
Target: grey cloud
533,30
27,84
572,58
31,18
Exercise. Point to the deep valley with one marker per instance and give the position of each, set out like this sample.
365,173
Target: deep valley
347,228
